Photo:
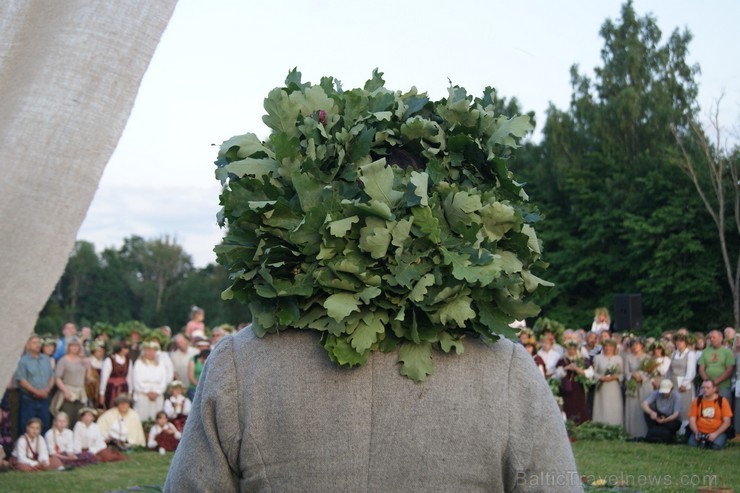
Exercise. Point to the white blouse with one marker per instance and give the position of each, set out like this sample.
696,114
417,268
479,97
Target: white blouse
88,437
149,377
63,440
25,448
108,369
176,406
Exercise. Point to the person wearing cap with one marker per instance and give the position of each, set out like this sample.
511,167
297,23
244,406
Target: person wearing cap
89,439
662,413
150,381
121,425
116,375
71,371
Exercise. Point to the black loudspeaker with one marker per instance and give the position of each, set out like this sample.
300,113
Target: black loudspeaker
627,312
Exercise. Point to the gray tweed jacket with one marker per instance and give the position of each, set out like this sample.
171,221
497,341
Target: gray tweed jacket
275,415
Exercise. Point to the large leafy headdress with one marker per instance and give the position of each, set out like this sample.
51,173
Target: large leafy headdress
381,219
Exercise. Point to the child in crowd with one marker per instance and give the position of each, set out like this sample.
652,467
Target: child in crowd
177,406
163,435
30,452
60,442
89,438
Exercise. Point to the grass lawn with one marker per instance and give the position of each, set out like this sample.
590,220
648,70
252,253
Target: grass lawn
643,467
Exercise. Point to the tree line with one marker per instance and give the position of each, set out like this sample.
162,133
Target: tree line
635,195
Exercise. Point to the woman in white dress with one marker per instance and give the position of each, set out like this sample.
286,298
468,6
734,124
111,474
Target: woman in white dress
150,382
608,404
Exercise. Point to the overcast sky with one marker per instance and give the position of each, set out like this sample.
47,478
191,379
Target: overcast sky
218,59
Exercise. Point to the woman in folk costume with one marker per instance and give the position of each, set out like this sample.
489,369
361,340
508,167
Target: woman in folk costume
71,373
658,350
682,372
92,386
60,441
163,435
150,382
115,377
177,406
637,388
89,439
31,453
608,373
121,425
571,370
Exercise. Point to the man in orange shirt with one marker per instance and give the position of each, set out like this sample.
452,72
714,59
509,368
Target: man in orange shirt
709,418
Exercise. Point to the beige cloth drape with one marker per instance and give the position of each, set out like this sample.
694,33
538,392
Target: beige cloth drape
69,74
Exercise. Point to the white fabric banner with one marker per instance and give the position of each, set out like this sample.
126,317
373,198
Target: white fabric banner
69,74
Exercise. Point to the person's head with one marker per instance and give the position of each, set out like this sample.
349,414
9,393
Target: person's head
33,344
683,330
48,346
657,350
74,347
33,427
122,403
666,386
197,314
701,342
609,347
546,341
69,329
121,348
98,351
201,343
708,389
601,315
217,334
524,335
161,418
181,342
729,333
531,346
604,335
149,350
61,421
176,388
87,415
636,345
572,348
681,341
592,339
86,333
203,355
715,339
166,330
135,336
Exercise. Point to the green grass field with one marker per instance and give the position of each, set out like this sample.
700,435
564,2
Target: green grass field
643,467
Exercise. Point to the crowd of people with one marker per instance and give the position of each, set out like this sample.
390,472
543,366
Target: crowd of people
659,389
84,398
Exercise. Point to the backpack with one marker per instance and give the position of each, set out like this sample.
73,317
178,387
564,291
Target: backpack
730,431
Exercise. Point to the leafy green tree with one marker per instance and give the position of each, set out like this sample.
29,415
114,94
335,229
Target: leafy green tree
620,217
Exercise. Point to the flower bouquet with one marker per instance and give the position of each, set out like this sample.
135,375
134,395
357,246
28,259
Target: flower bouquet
611,370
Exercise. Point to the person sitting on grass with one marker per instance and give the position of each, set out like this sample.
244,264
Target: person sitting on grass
89,439
121,425
60,442
163,435
709,418
177,406
4,464
30,452
662,413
